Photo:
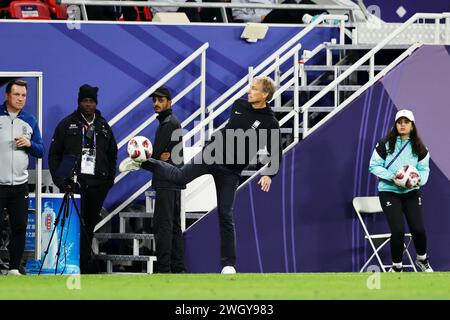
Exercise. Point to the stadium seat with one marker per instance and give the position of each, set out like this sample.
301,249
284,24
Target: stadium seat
29,10
58,11
371,205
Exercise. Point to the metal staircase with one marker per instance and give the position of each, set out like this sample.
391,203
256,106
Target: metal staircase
339,58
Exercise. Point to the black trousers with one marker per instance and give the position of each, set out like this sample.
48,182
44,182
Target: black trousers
15,200
168,235
395,206
92,198
226,182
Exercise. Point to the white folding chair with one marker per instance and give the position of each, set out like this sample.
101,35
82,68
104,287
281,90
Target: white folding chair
371,205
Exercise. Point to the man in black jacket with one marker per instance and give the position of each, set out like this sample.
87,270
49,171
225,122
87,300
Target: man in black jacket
86,135
166,221
252,127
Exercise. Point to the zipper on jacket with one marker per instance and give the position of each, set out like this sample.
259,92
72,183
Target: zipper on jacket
12,152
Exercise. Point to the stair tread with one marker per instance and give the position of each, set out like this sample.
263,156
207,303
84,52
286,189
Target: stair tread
124,236
127,214
364,46
321,87
118,257
341,67
194,215
316,109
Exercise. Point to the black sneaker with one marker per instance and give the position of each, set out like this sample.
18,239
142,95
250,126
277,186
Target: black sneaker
424,265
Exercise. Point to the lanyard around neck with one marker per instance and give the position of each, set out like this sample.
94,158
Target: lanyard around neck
83,132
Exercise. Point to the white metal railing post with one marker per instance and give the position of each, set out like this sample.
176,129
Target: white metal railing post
342,32
38,190
447,30
336,92
305,122
203,95
296,97
84,12
277,75
437,31
302,71
372,67
329,57
250,74
223,12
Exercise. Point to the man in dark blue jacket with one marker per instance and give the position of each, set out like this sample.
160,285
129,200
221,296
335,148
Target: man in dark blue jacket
19,138
86,135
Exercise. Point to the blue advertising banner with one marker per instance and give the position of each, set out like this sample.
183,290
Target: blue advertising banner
69,257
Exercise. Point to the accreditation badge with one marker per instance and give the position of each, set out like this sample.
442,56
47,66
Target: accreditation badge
88,161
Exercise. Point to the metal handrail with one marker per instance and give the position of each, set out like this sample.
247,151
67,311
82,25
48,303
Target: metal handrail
158,84
357,93
367,56
200,112
237,95
218,5
276,54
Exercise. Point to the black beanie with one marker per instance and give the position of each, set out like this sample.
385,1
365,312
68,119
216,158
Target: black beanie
86,91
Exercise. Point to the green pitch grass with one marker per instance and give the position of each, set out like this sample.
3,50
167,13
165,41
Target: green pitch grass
229,287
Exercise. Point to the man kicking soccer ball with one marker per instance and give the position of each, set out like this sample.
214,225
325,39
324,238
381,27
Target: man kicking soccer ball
252,126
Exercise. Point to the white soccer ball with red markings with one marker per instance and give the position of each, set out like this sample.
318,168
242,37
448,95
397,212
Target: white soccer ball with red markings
140,149
408,176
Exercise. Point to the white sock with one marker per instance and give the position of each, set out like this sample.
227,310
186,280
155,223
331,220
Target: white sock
422,258
397,265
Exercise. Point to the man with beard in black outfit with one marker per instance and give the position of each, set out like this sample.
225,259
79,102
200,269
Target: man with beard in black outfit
166,218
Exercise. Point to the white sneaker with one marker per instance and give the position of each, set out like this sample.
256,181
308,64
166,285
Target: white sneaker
129,164
228,270
424,265
14,272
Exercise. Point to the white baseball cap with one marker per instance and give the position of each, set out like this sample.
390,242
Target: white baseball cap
405,113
